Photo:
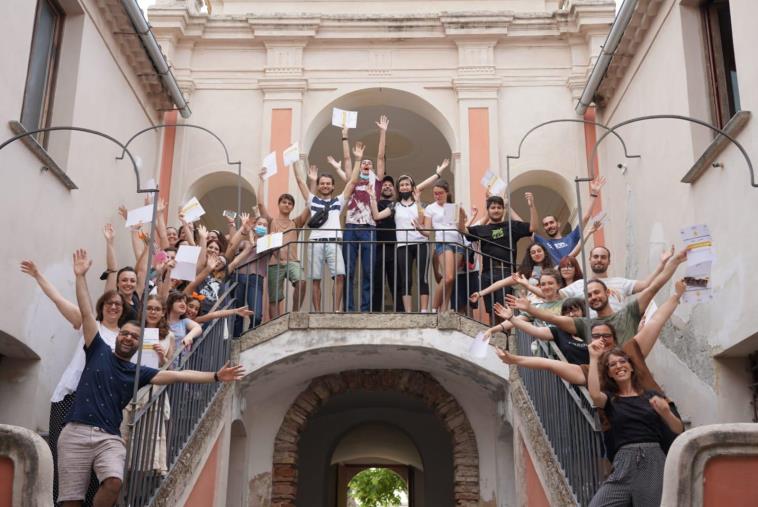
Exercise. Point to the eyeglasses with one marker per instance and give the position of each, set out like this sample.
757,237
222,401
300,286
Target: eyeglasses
129,334
597,336
618,362
568,267
117,304
154,309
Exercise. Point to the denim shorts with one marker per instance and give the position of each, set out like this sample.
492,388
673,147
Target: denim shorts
451,247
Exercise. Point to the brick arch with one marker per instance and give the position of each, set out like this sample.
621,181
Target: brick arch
418,384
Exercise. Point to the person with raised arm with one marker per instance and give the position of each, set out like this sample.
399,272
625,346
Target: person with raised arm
91,437
620,288
185,330
638,347
284,262
412,239
557,245
640,423
625,321
130,282
359,242
496,237
324,238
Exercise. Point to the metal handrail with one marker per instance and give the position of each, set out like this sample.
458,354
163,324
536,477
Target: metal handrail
576,435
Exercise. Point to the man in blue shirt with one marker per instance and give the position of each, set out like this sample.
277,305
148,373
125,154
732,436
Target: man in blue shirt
91,436
557,245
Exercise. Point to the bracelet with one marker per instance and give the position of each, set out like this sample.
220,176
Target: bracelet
502,326
215,376
594,195
344,138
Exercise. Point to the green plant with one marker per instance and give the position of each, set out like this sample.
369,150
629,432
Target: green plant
377,487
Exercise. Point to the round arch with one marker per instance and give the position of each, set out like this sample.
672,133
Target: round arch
217,191
417,384
380,97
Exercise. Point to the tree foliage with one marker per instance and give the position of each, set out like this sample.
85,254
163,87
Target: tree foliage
377,487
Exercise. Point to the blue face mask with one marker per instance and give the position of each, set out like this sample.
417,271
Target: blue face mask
260,230
365,176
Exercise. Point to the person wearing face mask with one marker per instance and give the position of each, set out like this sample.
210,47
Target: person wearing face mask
411,241
251,269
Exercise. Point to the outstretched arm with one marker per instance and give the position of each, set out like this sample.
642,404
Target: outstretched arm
599,398
82,263
346,160
562,322
505,282
350,185
111,264
647,295
259,195
299,179
225,374
337,167
541,333
437,175
68,309
640,285
534,219
571,373
647,337
587,235
242,311
383,123
595,186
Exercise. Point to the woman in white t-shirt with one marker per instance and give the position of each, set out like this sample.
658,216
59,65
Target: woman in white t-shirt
448,249
110,311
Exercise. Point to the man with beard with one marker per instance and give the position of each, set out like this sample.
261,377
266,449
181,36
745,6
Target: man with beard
384,265
91,437
625,321
555,244
496,243
620,288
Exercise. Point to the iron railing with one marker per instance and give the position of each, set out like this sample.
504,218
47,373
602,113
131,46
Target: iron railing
165,417
569,419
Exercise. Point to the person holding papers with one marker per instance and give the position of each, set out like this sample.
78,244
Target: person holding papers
284,262
324,236
130,282
555,243
443,216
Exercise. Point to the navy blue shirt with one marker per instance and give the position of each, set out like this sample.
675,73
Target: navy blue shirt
105,387
559,248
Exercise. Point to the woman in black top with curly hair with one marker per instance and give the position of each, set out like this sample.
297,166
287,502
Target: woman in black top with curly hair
642,425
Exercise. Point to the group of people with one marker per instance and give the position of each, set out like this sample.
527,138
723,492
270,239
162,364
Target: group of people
390,240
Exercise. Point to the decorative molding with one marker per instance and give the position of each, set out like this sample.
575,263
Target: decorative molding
284,58
477,58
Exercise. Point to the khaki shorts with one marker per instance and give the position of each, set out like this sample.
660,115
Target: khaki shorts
292,271
82,447
329,252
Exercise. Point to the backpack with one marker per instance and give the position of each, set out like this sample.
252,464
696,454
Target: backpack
320,217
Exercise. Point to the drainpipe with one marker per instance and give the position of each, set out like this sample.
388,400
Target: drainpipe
156,55
606,55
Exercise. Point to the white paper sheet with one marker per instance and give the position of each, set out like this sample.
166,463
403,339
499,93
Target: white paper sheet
269,163
269,241
699,243
149,355
291,155
450,213
229,214
342,118
493,183
138,216
479,346
193,210
186,263
601,217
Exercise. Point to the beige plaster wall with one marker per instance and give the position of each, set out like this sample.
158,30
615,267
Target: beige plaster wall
43,221
649,205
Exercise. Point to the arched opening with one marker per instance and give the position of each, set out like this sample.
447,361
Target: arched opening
552,196
217,192
385,485
236,491
418,139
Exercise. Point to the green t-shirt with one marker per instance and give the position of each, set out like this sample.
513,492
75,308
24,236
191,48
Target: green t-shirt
625,321
553,307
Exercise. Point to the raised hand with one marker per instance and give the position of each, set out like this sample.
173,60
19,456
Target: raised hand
312,173
161,205
660,406
503,312
231,373
666,254
506,356
416,195
160,350
474,211
679,257
596,185
82,262
383,123
520,279
442,166
181,219
123,211
108,233
474,297
596,348
529,199
334,163
243,311
519,303
262,173
345,131
30,268
358,149
245,219
202,231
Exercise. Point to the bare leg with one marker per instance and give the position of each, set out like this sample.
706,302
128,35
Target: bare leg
316,295
339,285
107,494
407,304
299,294
424,302
450,265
